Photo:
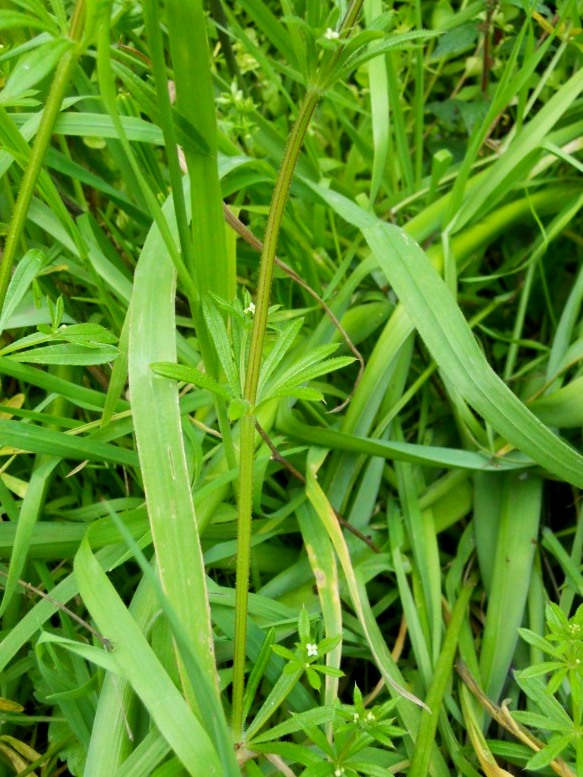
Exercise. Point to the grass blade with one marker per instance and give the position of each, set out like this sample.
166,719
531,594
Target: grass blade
212,268
448,337
377,645
27,437
139,665
323,563
160,446
30,509
515,546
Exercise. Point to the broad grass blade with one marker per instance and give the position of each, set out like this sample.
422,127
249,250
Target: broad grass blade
515,546
138,663
158,429
212,267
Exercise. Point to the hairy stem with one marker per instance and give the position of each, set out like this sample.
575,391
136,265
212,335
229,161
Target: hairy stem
275,217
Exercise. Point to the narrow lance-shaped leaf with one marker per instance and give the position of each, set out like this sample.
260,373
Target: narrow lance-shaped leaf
281,346
32,68
293,387
308,367
394,42
220,338
190,375
25,272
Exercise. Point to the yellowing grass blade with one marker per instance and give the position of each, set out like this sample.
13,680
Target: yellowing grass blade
323,563
323,508
481,749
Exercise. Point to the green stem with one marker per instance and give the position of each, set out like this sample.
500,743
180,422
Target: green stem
243,563
42,140
425,738
250,394
274,220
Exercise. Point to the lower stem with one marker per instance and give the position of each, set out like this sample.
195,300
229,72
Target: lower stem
243,565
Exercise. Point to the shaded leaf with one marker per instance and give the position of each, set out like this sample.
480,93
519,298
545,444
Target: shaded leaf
26,271
31,68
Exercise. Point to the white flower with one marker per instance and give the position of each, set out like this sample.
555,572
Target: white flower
312,649
331,34
250,309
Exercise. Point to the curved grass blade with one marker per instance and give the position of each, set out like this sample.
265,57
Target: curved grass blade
399,451
409,713
376,643
213,718
109,558
323,563
448,337
110,744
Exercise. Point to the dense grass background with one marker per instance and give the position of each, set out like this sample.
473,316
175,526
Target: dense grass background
406,528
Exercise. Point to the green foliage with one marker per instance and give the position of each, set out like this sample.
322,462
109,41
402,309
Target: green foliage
558,712
225,548
308,654
278,378
361,737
